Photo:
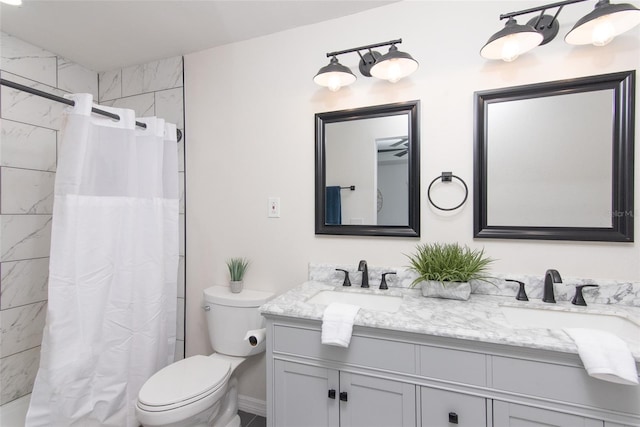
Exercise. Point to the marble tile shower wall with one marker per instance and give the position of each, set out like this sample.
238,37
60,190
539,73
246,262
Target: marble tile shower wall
29,128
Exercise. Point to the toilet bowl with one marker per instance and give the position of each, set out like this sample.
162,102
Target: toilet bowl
202,390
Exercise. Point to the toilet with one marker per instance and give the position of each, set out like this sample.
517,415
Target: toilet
202,390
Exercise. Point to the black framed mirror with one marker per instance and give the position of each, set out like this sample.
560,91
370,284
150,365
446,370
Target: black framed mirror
368,171
554,161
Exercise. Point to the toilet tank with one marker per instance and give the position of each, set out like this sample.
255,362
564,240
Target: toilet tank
230,316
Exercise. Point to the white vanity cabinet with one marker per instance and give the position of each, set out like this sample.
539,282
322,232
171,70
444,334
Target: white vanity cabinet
397,379
308,393
320,397
302,395
514,415
376,402
440,408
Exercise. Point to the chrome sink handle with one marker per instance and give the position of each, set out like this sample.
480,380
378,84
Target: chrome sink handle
578,299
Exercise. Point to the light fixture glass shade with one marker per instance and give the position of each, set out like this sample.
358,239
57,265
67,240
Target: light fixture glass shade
512,41
394,65
334,76
602,24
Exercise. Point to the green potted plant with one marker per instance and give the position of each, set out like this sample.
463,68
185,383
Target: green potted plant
444,270
237,268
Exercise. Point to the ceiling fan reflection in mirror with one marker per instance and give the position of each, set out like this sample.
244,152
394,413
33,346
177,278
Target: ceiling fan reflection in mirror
398,145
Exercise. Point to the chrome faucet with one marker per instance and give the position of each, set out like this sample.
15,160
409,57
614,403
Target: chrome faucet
362,266
550,277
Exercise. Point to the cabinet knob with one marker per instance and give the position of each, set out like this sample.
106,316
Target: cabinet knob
453,418
332,394
343,396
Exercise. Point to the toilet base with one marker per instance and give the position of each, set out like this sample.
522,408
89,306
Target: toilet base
222,413
235,422
228,416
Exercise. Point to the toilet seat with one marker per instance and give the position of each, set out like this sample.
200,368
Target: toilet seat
183,382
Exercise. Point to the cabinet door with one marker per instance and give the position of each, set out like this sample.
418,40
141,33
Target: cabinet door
376,402
442,408
513,415
301,395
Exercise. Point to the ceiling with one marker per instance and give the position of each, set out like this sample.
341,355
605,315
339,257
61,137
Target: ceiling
107,34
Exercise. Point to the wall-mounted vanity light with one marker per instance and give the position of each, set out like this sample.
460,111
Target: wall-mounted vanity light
598,27
392,66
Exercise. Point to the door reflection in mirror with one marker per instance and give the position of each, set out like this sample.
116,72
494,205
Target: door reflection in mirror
393,185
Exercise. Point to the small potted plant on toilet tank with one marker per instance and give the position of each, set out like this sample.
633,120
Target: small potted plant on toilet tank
237,268
444,270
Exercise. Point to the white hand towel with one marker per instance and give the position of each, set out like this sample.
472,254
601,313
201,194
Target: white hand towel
604,355
337,323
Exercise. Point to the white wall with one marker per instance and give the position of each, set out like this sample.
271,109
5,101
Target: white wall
250,113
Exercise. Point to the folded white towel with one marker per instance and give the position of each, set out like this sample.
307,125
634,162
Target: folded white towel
337,323
604,355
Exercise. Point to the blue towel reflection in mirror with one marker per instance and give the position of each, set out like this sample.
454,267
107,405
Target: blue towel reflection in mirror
333,206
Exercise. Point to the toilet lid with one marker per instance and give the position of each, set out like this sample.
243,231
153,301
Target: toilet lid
184,380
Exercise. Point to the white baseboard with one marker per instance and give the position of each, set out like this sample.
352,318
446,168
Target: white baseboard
252,405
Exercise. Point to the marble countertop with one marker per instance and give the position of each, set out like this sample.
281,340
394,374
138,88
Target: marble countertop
478,319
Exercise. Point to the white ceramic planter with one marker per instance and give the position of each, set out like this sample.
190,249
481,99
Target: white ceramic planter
236,286
448,290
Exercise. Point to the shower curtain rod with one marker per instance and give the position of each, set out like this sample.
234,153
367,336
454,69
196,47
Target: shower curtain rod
56,98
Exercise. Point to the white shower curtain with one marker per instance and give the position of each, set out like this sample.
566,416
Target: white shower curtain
113,268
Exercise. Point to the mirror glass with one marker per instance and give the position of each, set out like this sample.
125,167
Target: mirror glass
367,175
555,160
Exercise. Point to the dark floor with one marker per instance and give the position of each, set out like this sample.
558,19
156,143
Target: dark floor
251,420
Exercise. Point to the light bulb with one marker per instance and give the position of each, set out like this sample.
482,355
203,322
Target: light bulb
334,83
510,49
395,71
603,32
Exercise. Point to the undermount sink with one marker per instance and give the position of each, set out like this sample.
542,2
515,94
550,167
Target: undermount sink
377,302
525,317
